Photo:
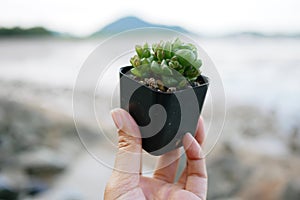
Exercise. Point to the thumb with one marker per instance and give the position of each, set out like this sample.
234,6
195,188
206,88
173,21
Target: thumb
128,158
125,176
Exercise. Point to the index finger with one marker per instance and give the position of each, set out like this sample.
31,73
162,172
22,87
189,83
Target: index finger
128,157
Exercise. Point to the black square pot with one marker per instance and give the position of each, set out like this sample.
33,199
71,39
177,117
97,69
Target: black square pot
163,117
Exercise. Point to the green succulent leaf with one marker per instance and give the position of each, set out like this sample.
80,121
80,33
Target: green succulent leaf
144,68
194,49
183,83
146,46
181,71
145,61
174,58
173,62
154,47
185,56
166,70
150,59
142,71
146,51
169,81
191,72
193,79
168,49
155,68
197,63
136,72
139,50
163,62
160,54
186,46
135,61
172,65
176,44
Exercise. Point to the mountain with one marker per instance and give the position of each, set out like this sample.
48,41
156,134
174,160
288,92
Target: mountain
17,31
132,22
36,31
261,35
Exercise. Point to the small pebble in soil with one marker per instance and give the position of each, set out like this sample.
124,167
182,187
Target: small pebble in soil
195,84
160,85
171,89
151,82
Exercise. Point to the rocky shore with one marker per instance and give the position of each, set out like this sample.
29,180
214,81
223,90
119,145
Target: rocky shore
41,156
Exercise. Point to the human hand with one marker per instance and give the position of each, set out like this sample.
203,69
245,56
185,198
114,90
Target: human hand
127,182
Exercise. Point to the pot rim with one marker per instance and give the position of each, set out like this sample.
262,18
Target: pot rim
205,78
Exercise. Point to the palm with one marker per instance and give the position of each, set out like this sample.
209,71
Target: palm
158,189
127,182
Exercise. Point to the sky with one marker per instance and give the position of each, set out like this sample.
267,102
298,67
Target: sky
83,17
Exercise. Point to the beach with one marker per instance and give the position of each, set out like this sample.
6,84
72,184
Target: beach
43,157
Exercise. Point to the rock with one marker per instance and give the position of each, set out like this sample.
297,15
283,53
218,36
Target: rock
20,127
262,146
42,162
23,127
160,85
35,187
72,195
294,141
251,122
7,190
171,89
151,82
229,198
292,190
226,176
13,180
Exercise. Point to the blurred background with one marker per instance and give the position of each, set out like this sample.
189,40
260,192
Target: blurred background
255,46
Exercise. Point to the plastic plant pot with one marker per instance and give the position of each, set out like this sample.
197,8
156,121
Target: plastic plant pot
163,117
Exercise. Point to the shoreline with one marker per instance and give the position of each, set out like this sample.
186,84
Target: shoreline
250,136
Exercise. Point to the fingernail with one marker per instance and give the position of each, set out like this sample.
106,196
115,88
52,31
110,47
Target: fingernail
117,118
189,135
188,138
192,148
125,122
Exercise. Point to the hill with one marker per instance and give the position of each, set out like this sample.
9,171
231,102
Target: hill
17,31
37,31
132,22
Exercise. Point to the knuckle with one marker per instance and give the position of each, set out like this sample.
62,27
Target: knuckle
125,140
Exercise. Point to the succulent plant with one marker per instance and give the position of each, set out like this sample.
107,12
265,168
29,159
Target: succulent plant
175,64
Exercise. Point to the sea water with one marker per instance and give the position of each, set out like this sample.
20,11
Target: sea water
260,71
